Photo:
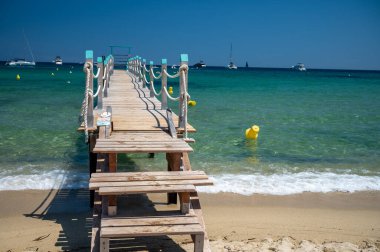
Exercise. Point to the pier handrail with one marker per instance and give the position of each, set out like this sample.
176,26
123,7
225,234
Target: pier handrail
138,68
105,68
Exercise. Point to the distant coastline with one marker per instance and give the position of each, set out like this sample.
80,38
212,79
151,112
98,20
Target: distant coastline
2,63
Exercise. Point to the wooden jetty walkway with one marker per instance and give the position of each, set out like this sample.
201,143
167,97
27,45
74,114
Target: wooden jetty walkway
129,118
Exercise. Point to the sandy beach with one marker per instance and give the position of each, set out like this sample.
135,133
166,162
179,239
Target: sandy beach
61,221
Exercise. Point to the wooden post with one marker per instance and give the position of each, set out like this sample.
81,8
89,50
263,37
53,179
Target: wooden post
164,83
151,79
90,112
105,83
134,66
144,72
182,84
112,200
100,82
139,68
92,162
109,71
174,164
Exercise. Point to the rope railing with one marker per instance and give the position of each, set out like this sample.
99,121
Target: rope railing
105,66
171,76
139,70
156,77
169,96
97,74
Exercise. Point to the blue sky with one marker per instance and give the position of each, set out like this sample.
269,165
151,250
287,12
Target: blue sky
341,34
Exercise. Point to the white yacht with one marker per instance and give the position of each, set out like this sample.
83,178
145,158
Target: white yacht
231,65
200,64
20,63
58,60
299,67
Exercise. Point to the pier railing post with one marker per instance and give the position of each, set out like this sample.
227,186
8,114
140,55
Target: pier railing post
90,80
109,71
139,68
151,79
100,82
144,72
105,83
183,91
164,82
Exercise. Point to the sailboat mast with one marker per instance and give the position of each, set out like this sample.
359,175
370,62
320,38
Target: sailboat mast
27,43
231,53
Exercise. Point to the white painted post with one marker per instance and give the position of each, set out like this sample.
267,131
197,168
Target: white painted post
164,82
183,89
100,82
151,79
144,72
90,113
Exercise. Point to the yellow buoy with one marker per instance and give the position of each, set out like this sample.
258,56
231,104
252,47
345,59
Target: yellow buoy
191,103
170,90
18,77
252,133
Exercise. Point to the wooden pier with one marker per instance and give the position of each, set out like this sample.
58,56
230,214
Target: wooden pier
129,118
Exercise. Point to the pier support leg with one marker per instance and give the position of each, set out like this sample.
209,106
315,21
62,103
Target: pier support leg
174,164
112,200
92,164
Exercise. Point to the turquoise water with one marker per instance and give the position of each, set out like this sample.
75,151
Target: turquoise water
319,130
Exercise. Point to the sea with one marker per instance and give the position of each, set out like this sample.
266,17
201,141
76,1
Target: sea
319,130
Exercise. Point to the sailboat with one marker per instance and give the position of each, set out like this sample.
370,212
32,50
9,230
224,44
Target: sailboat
23,62
231,65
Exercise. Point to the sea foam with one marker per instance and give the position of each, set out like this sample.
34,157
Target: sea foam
283,184
245,184
54,179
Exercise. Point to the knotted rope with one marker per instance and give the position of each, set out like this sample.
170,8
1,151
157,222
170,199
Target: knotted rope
87,68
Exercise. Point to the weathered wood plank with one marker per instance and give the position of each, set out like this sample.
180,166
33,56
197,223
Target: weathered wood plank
137,231
148,221
145,189
149,173
148,178
195,182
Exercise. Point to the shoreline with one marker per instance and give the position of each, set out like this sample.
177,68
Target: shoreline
61,219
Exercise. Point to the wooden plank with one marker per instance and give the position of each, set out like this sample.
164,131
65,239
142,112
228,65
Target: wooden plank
149,173
197,182
142,150
145,189
147,178
148,221
159,230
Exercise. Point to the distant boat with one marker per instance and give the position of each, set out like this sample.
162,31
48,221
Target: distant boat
22,62
174,66
200,64
246,64
299,67
231,65
58,60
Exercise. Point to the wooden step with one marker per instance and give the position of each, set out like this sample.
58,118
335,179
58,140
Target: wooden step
125,190
196,182
119,227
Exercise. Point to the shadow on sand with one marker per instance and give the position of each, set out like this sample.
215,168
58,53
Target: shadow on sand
71,209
